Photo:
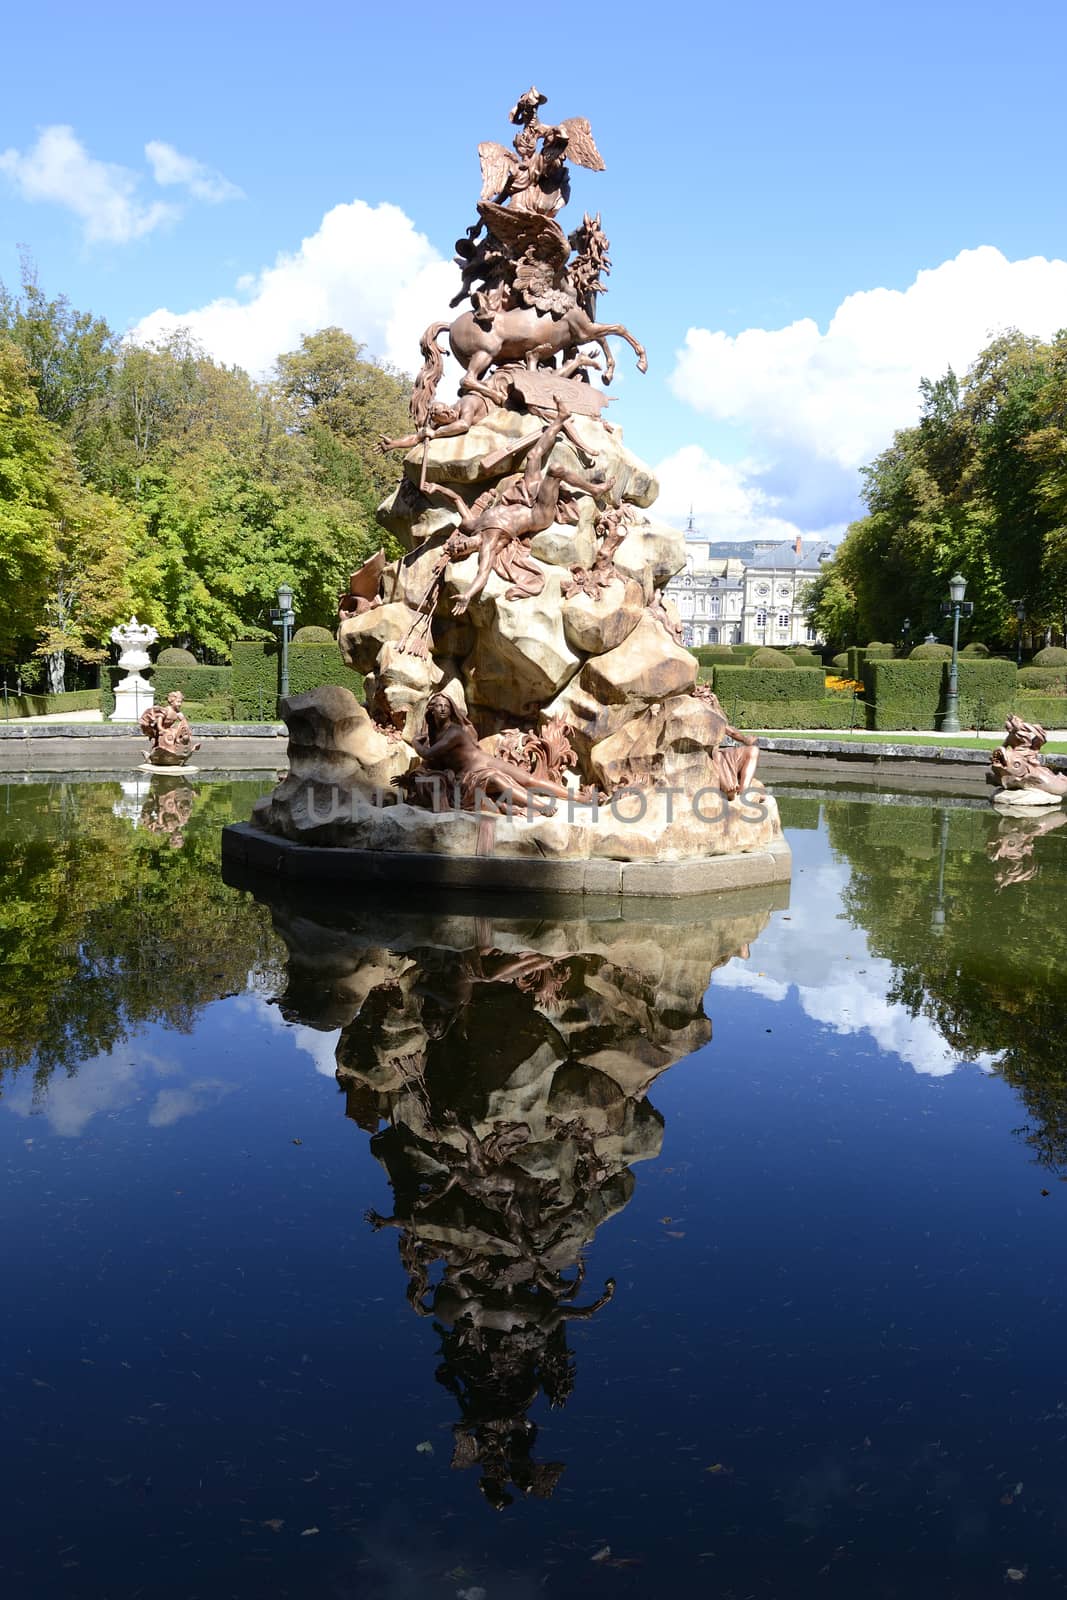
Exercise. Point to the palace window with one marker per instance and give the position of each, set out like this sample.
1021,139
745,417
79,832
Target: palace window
783,619
761,619
715,605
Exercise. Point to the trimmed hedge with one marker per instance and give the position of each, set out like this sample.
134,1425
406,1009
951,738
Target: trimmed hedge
976,649
173,656
1049,710
708,653
256,668
197,684
765,684
776,660
1046,680
785,714
840,661
313,635
910,694
931,652
51,705
987,689
1051,656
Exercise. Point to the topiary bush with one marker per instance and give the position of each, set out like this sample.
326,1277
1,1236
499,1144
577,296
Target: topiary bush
1051,656
910,694
313,635
836,713
172,656
765,657
755,683
1046,680
880,652
256,675
1049,710
196,683
931,652
707,653
976,649
840,661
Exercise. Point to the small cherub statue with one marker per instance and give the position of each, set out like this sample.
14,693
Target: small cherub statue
168,729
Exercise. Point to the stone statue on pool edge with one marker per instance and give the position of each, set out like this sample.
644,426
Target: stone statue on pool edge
167,727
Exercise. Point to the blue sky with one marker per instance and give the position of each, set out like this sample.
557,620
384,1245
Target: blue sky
763,166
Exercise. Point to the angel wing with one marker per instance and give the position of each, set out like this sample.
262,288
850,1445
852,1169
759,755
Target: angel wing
520,229
581,146
497,166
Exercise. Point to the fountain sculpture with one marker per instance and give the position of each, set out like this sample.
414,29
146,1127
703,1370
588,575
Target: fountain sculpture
1019,771
530,710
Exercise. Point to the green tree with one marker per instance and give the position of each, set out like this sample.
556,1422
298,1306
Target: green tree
71,357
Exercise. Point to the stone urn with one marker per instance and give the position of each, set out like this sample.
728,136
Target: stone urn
133,693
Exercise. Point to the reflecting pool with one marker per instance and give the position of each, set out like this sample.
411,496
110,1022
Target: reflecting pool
475,1250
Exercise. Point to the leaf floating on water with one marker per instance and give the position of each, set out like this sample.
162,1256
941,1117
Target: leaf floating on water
275,1524
425,1448
673,1234
602,1555
1015,1574
305,1533
471,1594
720,1470
298,1141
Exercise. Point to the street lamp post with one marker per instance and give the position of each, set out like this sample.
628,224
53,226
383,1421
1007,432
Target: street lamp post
283,619
1020,617
957,588
907,633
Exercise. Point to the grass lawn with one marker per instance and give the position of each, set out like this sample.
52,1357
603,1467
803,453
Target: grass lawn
963,741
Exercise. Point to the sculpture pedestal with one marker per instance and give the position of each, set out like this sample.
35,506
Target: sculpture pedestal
132,696
1024,799
246,847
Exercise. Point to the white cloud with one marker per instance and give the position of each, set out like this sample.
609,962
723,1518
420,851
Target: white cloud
838,396
838,982
365,269
727,499
169,166
60,169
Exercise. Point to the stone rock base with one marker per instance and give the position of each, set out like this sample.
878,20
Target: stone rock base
248,849
1024,799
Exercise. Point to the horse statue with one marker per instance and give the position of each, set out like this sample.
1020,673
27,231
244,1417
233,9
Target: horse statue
521,333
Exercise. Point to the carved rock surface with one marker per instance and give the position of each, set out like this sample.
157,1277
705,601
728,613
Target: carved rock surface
596,626
403,683
669,742
411,516
521,657
335,751
637,826
651,551
648,665
362,637
589,719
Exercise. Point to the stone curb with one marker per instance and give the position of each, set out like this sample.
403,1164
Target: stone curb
948,755
246,847
123,730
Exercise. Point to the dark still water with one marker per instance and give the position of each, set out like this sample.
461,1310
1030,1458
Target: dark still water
369,1252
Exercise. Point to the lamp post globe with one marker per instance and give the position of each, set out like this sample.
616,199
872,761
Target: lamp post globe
950,722
283,621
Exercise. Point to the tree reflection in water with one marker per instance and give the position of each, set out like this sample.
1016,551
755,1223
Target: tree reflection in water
967,905
502,1066
105,925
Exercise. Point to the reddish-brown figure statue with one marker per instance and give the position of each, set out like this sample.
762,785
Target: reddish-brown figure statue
526,506
168,729
457,773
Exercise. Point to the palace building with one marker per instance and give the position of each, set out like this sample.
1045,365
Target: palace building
746,593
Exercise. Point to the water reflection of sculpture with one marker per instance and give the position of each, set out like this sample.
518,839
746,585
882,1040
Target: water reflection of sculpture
510,1064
